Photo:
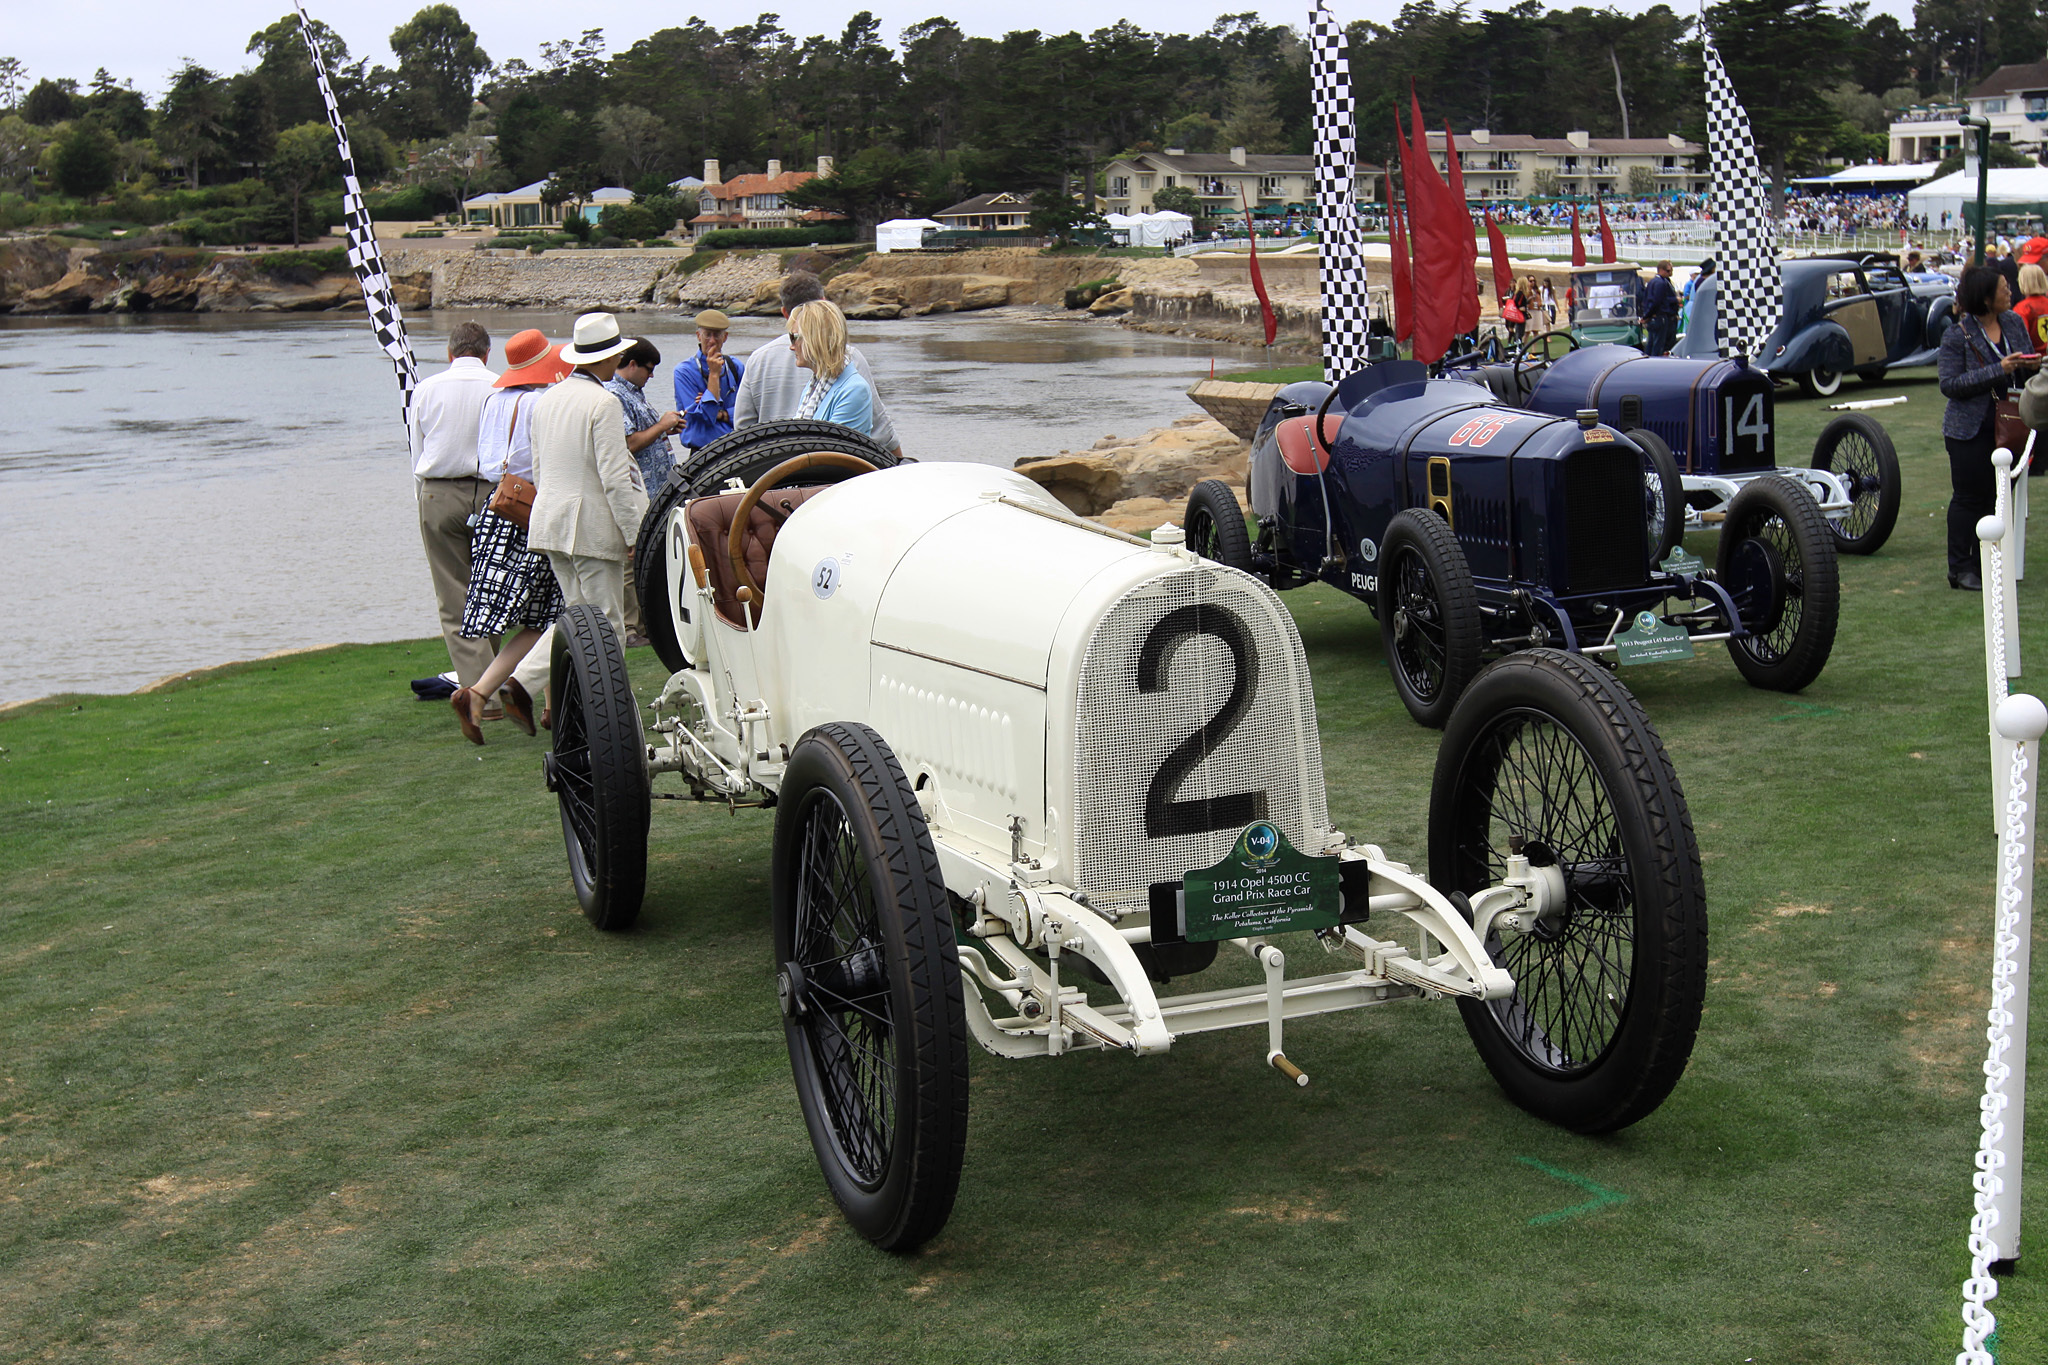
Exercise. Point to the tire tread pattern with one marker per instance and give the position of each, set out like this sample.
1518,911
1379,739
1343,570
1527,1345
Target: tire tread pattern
585,641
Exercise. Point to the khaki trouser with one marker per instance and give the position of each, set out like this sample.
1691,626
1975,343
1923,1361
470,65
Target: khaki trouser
446,506
634,625
599,582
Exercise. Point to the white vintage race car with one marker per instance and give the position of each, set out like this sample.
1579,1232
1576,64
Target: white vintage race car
1009,750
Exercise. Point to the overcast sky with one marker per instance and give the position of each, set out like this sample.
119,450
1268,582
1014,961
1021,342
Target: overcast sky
144,40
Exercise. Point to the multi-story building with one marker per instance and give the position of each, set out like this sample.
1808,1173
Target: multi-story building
754,201
2013,98
1224,181
1512,165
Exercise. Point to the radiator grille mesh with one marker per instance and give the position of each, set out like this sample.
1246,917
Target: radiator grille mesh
1125,735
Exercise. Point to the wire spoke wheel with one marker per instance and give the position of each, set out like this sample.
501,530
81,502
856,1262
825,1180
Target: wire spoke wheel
1777,560
847,1027
1429,614
869,983
597,767
1215,525
1551,755
1858,450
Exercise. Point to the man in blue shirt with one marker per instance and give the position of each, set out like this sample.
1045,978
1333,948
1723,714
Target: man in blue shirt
707,382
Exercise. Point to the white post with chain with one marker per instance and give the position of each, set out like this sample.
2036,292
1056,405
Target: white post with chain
2018,722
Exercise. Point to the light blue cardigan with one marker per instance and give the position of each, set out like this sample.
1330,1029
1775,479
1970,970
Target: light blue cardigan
849,402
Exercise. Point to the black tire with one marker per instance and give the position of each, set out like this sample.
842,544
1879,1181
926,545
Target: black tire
1874,375
597,768
1777,560
1553,749
651,577
745,455
1820,382
1663,495
1215,525
870,986
1429,615
1856,447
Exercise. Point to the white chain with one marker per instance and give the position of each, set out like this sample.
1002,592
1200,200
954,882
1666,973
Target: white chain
1995,574
1981,1287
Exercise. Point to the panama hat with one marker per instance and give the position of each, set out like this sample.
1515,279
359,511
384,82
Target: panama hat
596,338
532,361
711,320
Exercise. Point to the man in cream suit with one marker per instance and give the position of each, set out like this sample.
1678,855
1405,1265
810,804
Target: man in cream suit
588,498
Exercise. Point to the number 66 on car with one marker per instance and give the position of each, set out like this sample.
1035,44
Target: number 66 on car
1010,752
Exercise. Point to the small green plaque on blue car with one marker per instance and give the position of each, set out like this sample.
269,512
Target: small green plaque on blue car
1263,886
1651,641
1683,561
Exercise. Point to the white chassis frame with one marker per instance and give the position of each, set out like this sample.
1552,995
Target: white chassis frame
718,741
1828,490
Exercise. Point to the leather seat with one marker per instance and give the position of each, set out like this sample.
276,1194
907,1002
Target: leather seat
710,521
1501,379
1298,448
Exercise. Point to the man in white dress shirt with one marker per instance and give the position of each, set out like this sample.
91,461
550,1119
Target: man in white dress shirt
772,386
443,428
589,498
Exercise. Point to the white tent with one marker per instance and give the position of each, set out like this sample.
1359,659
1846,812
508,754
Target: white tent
2008,185
902,234
1156,229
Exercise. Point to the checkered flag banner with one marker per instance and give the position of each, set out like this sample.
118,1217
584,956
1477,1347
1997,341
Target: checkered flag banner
1748,290
363,257
1346,303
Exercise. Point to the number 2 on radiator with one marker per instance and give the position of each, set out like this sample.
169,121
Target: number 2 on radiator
1165,817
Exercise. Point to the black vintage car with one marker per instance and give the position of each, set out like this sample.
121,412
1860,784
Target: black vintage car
1842,313
1470,527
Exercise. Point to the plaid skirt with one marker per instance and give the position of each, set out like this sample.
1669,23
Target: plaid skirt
508,583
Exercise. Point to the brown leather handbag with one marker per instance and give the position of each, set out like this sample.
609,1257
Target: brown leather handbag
512,499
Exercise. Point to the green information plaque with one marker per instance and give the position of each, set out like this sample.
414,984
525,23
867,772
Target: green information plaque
1680,560
1263,886
1650,641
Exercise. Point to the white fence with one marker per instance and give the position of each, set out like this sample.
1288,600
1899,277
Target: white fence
2017,723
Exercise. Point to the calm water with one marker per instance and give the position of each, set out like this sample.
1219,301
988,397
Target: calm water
181,491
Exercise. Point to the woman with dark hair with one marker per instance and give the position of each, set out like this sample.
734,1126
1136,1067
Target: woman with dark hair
1980,354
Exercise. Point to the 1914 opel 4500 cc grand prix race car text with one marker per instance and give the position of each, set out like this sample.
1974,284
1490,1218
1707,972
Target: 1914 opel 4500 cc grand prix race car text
1468,526
1025,769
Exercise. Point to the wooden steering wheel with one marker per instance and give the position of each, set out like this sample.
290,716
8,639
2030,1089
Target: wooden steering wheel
736,538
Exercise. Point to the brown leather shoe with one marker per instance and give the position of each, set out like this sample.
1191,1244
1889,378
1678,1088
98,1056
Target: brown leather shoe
518,705
460,701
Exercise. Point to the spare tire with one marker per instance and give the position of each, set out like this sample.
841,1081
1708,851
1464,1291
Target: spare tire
743,455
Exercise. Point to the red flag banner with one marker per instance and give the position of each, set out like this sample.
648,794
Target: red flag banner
1433,225
1606,239
1503,270
1258,279
1404,304
1578,242
1468,258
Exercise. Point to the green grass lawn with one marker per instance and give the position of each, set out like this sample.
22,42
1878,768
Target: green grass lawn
306,1055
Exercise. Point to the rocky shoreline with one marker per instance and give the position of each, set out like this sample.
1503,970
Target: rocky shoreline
41,277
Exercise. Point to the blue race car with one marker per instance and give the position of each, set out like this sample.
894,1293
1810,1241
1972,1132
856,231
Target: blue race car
1470,527
1707,427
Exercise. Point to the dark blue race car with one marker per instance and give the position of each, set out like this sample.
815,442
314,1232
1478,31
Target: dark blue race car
1707,426
1471,528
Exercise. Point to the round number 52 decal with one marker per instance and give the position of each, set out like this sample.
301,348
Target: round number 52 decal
825,578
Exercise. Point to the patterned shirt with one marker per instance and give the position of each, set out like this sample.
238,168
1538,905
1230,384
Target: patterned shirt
658,456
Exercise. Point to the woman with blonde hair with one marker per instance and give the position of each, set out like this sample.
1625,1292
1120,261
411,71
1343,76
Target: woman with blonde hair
2033,305
837,391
